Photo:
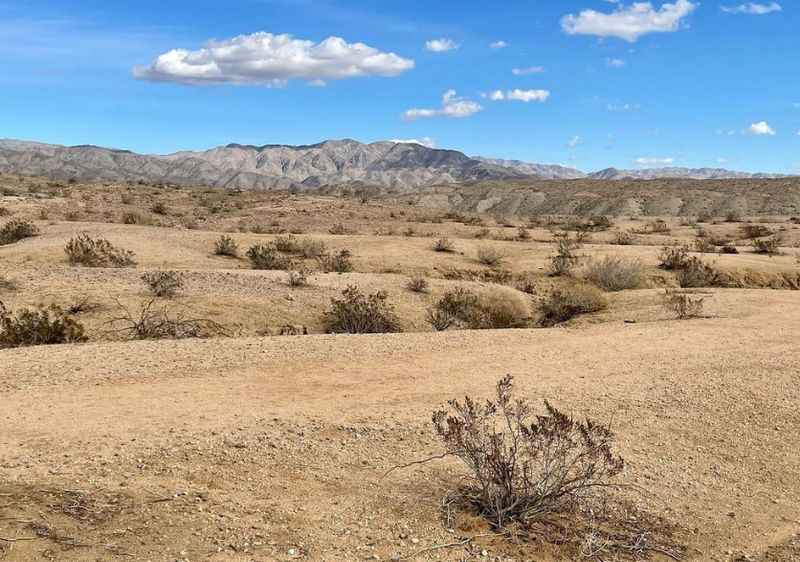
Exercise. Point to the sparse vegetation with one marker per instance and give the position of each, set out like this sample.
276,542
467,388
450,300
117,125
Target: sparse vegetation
491,256
150,321
673,258
338,262
623,238
564,259
359,313
16,230
443,245
464,309
226,246
267,257
163,284
40,326
697,273
417,285
767,246
614,273
298,277
750,231
521,466
96,252
567,302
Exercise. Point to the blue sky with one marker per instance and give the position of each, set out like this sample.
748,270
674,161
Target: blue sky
600,83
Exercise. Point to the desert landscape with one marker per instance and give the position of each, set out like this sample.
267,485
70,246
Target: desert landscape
251,375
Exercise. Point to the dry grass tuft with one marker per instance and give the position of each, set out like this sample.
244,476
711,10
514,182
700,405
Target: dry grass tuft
615,273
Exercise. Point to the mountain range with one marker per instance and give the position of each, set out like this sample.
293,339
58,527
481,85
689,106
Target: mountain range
402,166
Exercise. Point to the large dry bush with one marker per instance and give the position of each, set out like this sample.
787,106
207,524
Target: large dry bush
673,258
41,326
150,321
96,252
488,310
567,302
615,273
359,313
16,230
697,273
523,466
267,257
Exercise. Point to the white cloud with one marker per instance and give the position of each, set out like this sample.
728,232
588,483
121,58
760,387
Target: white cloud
615,63
575,141
761,128
646,161
424,141
272,60
452,106
623,107
441,45
518,95
753,8
527,70
498,45
629,23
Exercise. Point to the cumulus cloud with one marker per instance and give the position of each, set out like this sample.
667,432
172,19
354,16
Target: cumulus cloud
649,161
761,128
753,8
518,95
527,70
498,45
272,60
441,45
452,106
629,22
424,141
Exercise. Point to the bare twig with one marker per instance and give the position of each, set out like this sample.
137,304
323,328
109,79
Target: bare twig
423,461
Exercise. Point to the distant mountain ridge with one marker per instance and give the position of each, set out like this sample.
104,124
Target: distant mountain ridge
402,166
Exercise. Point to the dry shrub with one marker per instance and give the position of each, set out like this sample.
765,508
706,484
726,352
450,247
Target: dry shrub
443,245
623,238
564,259
7,284
163,283
42,326
226,246
728,249
159,208
697,273
130,217
310,248
267,257
340,229
16,230
615,273
490,310
767,246
750,231
704,246
339,262
565,303
684,305
522,234
358,313
286,244
150,321
523,466
96,252
490,256
498,276
673,258
417,285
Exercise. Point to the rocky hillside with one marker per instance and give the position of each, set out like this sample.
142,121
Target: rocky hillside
679,173
543,171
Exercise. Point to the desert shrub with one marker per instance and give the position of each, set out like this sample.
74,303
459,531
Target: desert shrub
522,234
483,233
417,285
16,230
704,246
340,229
226,246
705,216
339,262
614,273
298,277
149,321
750,231
5,212
568,302
126,199
159,208
7,285
683,305
267,257
623,238
358,313
311,249
443,245
465,309
286,244
130,217
522,466
42,326
733,216
490,256
73,215
728,249
564,259
768,246
96,252
696,273
658,227
673,258
163,283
